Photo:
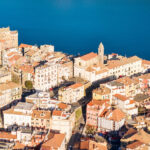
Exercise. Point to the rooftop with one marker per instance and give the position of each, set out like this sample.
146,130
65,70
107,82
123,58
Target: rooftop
102,90
135,145
24,106
55,141
88,56
120,97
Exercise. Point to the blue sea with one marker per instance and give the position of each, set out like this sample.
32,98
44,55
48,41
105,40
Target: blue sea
78,26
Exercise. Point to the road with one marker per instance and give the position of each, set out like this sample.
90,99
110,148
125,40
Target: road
77,134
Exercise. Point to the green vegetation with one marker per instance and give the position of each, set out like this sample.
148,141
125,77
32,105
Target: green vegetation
78,113
28,84
141,110
90,130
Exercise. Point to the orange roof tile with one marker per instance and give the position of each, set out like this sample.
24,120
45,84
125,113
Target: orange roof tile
12,53
88,56
116,63
41,114
98,102
18,146
76,85
25,46
54,142
15,58
57,113
132,101
62,106
27,68
7,135
120,97
117,115
146,62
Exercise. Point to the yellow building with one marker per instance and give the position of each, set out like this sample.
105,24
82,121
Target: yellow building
41,118
101,93
9,92
5,75
132,86
71,94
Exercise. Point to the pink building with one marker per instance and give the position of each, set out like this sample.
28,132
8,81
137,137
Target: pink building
93,109
144,81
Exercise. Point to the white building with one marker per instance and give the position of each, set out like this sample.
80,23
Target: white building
42,100
89,67
9,92
55,71
20,115
125,66
111,120
126,105
72,93
64,122
46,77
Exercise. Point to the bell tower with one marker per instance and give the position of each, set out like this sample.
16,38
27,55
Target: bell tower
101,53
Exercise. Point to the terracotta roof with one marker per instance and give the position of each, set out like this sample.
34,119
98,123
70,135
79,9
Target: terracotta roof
30,52
117,63
127,81
62,106
12,53
102,90
117,115
88,56
15,58
89,144
114,54
97,102
25,46
7,135
132,101
84,145
27,69
120,97
18,146
41,114
142,136
57,113
130,132
55,142
135,145
76,85
146,62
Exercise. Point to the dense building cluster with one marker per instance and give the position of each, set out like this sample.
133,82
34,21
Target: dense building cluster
53,101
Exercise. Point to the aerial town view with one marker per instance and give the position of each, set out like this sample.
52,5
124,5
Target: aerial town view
52,99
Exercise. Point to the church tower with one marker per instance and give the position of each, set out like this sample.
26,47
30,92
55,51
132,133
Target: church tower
101,53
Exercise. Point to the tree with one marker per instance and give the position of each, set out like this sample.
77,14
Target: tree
141,110
90,130
28,84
